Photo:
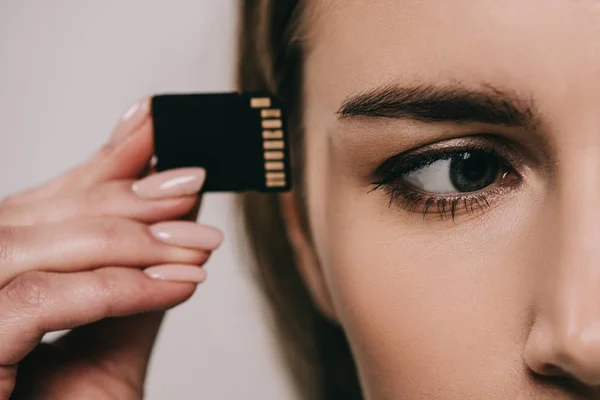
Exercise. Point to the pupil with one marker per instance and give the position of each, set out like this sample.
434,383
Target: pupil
473,171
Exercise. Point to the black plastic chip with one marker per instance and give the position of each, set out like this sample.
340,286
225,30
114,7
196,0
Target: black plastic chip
239,138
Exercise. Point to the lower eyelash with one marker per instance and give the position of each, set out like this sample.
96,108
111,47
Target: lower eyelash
447,205
409,200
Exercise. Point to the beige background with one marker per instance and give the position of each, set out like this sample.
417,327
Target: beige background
68,70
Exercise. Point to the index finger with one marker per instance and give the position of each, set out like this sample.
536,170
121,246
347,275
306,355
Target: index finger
125,155
127,152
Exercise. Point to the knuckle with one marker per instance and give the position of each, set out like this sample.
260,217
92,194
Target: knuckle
122,238
107,282
8,243
118,286
77,178
28,290
94,198
108,233
106,285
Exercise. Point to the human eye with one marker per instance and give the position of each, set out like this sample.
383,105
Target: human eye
450,177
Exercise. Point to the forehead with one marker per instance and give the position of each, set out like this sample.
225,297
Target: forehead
357,44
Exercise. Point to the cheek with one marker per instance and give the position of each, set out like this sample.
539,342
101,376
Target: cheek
425,301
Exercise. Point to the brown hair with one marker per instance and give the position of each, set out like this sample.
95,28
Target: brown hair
315,349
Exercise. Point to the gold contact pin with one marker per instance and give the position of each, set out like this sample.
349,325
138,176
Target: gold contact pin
275,176
274,155
260,102
273,144
274,166
276,183
272,134
272,124
270,113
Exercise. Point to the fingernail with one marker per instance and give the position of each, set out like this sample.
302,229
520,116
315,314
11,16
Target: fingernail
173,183
187,234
132,118
177,272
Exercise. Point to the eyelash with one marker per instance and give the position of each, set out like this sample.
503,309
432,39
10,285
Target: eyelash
394,169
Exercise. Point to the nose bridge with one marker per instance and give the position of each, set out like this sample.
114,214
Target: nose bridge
571,299
564,338
575,309
578,255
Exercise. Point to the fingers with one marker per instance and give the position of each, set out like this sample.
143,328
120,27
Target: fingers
126,159
82,245
127,152
124,156
40,302
163,196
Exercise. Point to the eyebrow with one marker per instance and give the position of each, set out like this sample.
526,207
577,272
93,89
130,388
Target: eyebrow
452,103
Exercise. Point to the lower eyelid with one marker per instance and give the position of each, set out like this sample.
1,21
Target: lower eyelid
451,206
447,204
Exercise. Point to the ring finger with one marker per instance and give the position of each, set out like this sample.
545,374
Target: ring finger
83,245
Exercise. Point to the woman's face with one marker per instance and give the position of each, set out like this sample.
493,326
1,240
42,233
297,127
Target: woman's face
453,172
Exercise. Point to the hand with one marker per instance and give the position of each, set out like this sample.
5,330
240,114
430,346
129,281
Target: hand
103,252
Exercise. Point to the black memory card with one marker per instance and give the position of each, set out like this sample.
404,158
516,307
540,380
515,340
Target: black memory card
239,138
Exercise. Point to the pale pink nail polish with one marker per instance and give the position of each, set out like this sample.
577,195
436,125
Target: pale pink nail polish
173,183
187,234
177,272
130,120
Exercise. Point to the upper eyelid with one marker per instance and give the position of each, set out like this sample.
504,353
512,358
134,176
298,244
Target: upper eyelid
434,156
389,173
483,142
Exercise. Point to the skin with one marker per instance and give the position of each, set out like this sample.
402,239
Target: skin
500,304
74,253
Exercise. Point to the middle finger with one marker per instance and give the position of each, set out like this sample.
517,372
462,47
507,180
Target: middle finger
83,245
163,196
